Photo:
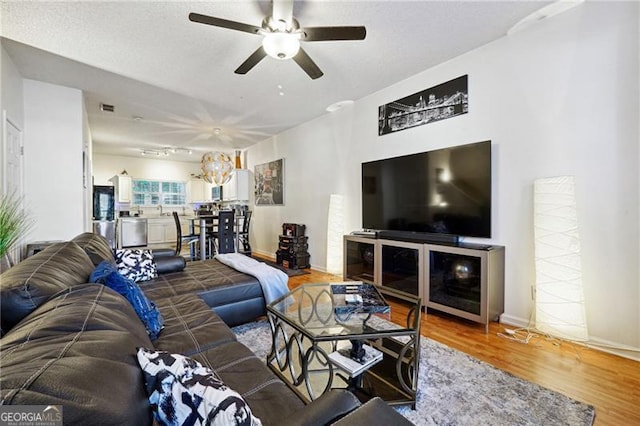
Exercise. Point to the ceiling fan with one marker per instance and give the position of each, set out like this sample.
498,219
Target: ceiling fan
282,36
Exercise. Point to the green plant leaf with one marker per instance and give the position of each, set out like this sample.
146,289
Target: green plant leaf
14,222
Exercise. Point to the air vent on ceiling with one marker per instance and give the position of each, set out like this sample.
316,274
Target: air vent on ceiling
107,108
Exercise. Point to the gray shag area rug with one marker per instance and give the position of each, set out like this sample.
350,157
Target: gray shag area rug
456,389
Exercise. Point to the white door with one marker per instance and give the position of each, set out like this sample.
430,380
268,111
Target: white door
12,179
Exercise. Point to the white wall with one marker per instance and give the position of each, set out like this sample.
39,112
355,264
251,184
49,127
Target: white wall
559,98
106,166
10,100
316,166
53,160
11,93
87,190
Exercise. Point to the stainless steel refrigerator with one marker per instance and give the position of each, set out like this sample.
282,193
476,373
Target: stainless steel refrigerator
104,205
104,213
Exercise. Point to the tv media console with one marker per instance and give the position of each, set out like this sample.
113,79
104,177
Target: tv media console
466,280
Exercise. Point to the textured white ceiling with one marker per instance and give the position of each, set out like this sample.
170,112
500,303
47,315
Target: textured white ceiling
150,61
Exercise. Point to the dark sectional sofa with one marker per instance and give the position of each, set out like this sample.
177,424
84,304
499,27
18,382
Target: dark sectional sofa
71,343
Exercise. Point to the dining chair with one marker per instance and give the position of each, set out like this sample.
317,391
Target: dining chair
191,239
243,235
211,227
224,236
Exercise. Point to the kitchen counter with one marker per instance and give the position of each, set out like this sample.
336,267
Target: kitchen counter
164,216
140,231
159,218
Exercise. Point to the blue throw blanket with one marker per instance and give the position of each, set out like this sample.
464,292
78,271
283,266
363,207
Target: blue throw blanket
107,274
272,280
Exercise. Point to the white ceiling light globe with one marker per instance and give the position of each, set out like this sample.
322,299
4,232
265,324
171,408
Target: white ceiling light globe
281,45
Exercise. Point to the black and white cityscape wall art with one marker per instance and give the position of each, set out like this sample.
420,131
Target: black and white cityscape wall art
269,179
436,103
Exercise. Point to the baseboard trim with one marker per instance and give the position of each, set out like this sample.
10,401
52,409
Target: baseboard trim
609,347
516,321
266,254
272,258
594,343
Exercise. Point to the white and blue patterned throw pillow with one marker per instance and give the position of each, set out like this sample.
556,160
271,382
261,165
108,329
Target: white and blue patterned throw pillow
184,392
135,264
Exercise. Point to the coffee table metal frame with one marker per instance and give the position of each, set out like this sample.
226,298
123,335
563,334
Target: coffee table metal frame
305,329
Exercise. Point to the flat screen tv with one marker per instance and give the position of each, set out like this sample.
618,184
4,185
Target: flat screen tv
445,191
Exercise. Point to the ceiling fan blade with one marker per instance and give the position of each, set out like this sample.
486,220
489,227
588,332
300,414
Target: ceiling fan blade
307,64
333,33
251,61
224,23
283,11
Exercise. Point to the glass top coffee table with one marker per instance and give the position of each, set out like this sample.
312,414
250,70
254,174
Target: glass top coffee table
315,323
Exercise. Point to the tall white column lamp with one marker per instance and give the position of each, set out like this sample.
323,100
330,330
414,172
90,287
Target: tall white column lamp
335,232
559,295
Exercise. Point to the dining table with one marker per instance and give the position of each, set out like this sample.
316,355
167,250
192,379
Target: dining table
200,222
209,222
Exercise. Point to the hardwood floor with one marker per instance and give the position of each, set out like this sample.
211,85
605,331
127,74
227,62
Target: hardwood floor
608,382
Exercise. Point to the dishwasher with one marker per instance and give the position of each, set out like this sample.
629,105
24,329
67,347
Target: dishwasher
133,232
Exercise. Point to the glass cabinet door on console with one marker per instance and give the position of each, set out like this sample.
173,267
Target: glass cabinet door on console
455,280
401,267
466,280
359,259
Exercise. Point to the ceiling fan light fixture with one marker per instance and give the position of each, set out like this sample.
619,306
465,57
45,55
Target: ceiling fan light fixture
281,45
338,105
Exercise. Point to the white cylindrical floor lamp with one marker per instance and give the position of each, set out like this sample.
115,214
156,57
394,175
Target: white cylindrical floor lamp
335,232
559,300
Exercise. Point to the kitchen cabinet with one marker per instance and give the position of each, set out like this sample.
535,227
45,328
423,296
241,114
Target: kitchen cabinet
198,191
122,184
162,230
239,187
156,231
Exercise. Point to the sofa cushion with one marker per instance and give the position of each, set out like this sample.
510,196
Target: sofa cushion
136,264
96,247
167,264
270,399
201,277
183,392
191,326
374,412
33,281
79,350
107,274
218,285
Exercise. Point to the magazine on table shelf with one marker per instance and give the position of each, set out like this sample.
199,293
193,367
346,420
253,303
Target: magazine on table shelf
341,358
356,297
